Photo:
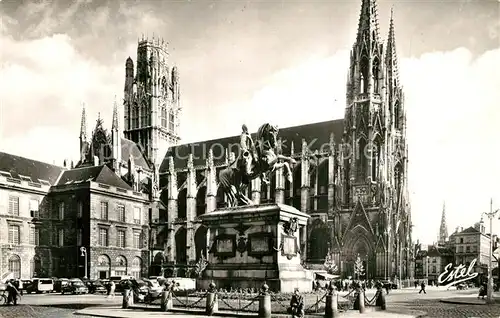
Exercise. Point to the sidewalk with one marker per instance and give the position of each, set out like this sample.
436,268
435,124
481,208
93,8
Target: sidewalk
468,301
118,312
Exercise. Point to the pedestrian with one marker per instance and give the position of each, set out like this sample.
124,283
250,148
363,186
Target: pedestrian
387,286
112,288
296,308
483,290
12,294
422,288
416,284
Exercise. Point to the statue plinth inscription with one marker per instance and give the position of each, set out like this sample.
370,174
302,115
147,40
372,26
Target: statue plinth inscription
255,244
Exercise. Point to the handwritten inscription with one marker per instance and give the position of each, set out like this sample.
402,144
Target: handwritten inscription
457,275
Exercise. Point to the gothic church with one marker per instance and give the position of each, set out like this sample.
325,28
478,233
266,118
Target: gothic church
355,189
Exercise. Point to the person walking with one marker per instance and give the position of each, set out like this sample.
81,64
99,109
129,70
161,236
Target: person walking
112,288
12,294
416,284
296,308
422,288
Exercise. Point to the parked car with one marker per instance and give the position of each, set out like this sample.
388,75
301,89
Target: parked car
40,285
389,284
153,285
59,283
75,286
462,286
96,287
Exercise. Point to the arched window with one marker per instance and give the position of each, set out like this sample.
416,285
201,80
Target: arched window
376,157
121,261
181,204
136,267
364,65
103,260
396,115
361,159
201,205
15,266
376,74
121,266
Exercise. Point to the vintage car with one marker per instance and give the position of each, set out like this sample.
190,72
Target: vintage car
75,286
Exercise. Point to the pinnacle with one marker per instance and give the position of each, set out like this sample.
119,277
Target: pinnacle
83,124
115,116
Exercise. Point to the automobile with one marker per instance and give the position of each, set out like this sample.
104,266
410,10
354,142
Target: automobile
153,285
96,287
462,286
59,283
139,286
389,284
40,285
75,286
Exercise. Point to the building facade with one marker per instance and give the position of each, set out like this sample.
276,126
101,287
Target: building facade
472,243
48,213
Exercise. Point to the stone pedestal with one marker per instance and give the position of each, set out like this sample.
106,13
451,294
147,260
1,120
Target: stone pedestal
250,245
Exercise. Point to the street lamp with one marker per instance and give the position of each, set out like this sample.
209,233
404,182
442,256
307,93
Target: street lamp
84,253
490,216
427,270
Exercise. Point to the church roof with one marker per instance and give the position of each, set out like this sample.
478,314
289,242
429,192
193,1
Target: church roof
470,230
317,135
39,172
131,149
100,174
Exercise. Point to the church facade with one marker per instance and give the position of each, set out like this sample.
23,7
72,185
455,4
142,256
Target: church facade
350,176
147,190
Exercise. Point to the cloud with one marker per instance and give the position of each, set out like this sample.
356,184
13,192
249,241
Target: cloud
44,83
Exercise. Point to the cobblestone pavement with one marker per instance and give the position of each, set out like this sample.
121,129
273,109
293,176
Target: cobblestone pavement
59,306
437,309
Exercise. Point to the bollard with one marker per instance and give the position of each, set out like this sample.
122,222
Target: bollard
128,298
331,306
380,302
166,301
212,305
361,300
264,302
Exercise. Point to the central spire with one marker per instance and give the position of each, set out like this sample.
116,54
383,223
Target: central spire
368,27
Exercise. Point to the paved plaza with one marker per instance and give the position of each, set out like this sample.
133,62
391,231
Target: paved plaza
406,303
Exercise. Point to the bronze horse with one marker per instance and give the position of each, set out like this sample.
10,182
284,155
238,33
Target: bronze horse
253,162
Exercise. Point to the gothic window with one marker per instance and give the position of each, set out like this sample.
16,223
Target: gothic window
135,116
164,116
364,75
376,157
103,260
361,159
171,123
396,115
376,73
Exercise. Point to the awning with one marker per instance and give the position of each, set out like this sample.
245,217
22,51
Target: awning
326,276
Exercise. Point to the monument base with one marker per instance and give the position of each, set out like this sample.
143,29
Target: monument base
251,245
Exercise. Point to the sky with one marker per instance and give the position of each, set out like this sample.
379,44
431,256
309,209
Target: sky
255,61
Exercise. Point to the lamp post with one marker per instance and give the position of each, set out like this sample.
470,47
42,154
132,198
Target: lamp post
427,269
490,216
84,253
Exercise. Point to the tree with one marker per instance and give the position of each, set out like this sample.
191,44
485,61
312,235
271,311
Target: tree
359,270
329,264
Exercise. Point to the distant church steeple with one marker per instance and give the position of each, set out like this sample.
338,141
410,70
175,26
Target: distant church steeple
443,229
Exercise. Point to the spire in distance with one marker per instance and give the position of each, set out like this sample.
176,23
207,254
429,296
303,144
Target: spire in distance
115,116
443,229
83,124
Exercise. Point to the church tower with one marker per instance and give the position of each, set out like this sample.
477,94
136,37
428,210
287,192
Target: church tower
374,222
443,229
152,100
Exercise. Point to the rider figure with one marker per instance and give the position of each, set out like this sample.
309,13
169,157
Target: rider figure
249,154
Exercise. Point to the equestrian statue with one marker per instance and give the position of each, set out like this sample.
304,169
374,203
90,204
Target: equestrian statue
255,160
